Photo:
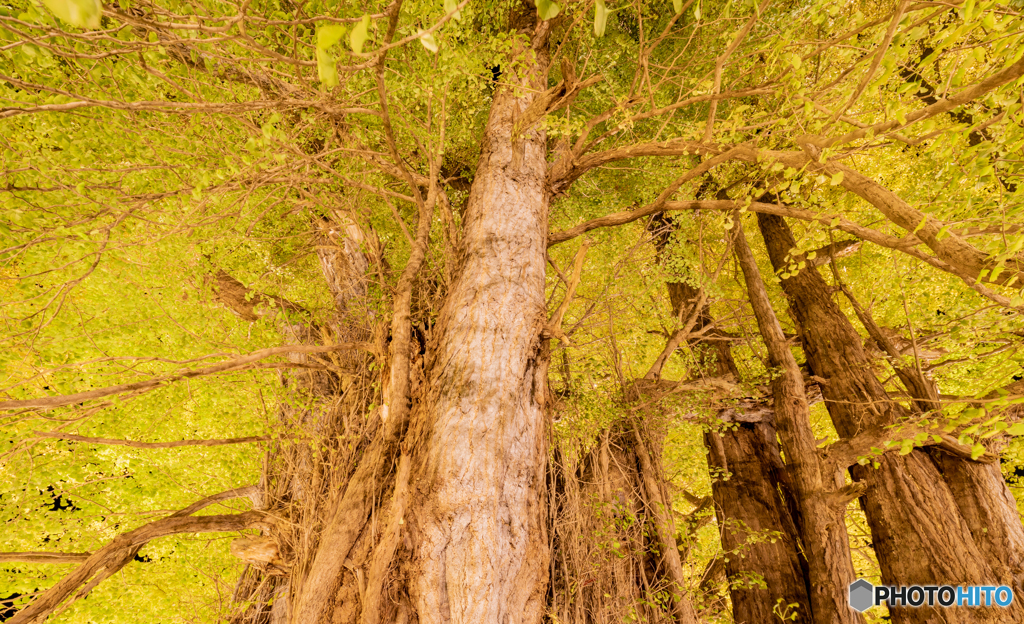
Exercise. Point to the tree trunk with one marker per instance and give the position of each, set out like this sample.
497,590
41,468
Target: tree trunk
757,529
477,517
979,489
326,406
763,562
918,532
820,509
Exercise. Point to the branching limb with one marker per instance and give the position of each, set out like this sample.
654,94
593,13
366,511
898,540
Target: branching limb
57,435
554,326
112,557
843,454
973,92
237,364
658,205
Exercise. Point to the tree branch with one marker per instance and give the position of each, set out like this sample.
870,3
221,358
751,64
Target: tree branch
57,435
112,557
234,365
44,557
843,454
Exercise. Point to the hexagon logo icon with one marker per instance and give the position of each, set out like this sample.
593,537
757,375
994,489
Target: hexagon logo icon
861,595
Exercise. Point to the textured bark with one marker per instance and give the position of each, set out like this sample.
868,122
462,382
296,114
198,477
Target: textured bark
477,515
918,532
820,510
990,511
601,494
756,526
979,489
984,500
747,484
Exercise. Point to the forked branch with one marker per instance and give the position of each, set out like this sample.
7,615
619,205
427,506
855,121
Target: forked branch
112,557
230,366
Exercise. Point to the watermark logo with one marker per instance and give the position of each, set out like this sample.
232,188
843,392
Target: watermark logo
864,595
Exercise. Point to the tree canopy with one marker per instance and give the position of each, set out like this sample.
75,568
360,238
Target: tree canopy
189,188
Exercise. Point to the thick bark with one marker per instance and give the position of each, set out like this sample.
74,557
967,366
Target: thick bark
756,526
918,532
990,511
747,483
979,489
820,510
476,519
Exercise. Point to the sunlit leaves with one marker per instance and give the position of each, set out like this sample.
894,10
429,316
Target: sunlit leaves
80,13
359,35
547,9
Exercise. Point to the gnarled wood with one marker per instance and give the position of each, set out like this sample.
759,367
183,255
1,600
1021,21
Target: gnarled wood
909,507
477,516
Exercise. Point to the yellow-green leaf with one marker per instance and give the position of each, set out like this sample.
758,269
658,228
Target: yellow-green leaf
326,70
977,451
326,36
678,6
1016,430
359,34
81,13
600,18
452,6
429,42
837,178
547,9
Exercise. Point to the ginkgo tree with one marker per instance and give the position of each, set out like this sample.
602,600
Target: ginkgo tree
508,311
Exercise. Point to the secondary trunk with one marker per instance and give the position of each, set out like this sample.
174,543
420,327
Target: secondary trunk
820,509
979,489
763,564
918,532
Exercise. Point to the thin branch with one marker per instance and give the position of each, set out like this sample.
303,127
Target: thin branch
57,435
555,324
44,557
242,363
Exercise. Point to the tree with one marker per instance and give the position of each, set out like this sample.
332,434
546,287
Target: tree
367,201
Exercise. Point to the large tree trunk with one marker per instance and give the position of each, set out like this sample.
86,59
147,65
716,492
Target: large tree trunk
477,517
763,564
820,508
918,532
757,530
979,489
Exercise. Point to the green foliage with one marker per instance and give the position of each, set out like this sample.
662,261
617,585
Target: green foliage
140,160
80,13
